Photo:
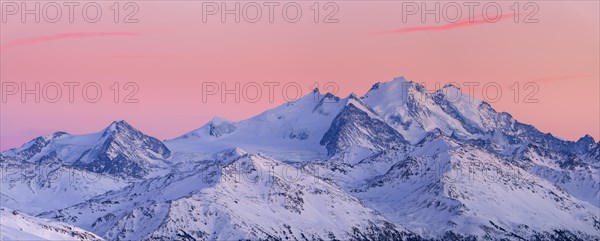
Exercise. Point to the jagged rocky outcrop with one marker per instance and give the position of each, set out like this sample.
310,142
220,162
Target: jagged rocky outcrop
357,126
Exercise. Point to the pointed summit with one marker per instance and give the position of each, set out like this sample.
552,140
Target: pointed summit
117,126
123,151
587,139
585,143
398,86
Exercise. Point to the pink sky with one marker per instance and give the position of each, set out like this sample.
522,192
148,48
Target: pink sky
170,52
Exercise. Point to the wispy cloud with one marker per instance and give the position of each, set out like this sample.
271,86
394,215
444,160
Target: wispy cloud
463,23
42,39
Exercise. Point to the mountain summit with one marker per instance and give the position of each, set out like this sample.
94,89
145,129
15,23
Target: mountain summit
399,163
123,151
119,150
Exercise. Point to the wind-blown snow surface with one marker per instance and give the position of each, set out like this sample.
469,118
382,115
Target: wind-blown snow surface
249,197
443,187
18,226
398,163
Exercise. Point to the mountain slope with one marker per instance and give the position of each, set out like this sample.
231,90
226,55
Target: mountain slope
124,151
414,112
398,163
444,188
356,126
250,197
49,185
290,132
18,226
119,150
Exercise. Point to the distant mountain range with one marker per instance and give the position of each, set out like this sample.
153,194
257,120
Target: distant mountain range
399,163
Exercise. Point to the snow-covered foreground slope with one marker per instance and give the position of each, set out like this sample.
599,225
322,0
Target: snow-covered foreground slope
398,163
250,197
36,188
443,189
18,226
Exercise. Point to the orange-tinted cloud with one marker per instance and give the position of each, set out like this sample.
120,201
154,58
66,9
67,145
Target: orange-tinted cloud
464,23
42,39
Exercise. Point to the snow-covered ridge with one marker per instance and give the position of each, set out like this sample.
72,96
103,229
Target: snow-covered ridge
399,163
15,225
249,197
118,150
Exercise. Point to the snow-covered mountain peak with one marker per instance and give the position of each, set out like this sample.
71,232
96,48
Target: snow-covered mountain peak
33,147
413,111
123,151
586,141
117,126
398,85
394,85
440,162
